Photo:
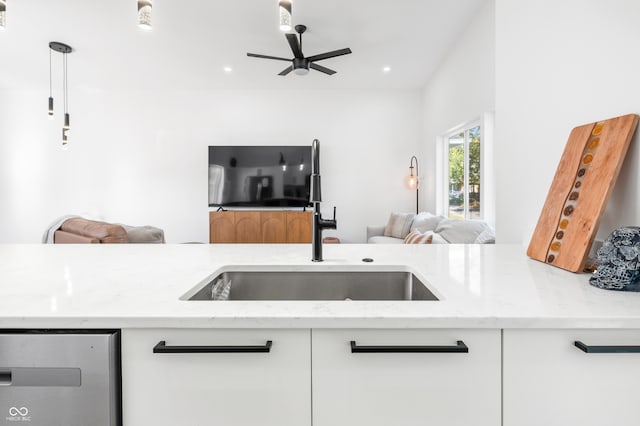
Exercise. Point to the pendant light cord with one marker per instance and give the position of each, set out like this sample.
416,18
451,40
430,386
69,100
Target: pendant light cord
66,95
50,80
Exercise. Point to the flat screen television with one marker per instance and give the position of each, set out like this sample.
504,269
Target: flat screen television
259,176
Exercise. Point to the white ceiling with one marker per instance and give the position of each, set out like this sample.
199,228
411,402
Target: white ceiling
192,40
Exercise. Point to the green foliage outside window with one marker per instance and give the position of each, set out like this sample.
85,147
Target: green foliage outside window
457,170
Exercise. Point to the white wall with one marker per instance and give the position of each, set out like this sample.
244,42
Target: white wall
141,157
560,64
461,90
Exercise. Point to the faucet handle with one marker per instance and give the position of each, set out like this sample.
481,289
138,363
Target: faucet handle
334,213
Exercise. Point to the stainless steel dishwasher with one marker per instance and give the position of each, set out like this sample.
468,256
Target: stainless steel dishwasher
60,378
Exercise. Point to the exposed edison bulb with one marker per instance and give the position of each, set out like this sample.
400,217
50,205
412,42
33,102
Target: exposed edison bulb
284,167
284,7
144,14
412,181
301,166
64,138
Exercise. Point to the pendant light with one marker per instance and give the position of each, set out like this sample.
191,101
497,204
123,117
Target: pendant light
65,91
3,14
284,7
144,14
65,50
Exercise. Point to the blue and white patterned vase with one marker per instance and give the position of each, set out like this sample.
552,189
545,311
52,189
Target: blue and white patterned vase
619,261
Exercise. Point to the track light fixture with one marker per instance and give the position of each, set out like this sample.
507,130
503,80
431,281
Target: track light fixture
144,14
284,7
65,50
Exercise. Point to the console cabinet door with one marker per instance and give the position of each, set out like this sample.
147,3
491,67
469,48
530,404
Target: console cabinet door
274,227
549,381
222,227
406,389
234,389
299,227
248,227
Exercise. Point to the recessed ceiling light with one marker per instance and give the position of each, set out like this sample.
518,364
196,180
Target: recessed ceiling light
386,69
227,69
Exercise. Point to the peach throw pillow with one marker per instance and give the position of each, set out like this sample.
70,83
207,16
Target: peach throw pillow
417,237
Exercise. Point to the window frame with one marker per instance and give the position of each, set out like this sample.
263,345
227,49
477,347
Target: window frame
445,184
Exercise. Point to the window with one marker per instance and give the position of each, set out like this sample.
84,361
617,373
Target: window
463,183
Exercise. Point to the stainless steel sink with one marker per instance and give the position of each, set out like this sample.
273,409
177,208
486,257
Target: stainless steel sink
311,285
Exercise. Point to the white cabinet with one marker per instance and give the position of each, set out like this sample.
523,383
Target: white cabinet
311,377
384,386
187,384
549,381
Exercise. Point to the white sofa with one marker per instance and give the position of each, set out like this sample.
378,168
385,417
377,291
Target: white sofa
439,229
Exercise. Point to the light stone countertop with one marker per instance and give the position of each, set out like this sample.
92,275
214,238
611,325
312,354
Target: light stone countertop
139,286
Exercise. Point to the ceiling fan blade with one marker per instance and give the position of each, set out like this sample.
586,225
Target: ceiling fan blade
322,69
295,45
328,55
255,55
286,70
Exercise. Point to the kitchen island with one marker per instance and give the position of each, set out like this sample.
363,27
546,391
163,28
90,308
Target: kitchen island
479,286
497,348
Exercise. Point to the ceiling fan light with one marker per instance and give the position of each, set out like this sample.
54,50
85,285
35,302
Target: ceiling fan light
284,7
300,64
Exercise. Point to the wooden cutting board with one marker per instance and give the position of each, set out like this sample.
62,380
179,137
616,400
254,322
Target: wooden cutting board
580,190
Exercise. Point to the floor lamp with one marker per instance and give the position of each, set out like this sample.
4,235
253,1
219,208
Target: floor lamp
413,180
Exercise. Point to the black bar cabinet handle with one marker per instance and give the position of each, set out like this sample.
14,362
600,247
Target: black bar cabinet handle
460,347
606,349
162,348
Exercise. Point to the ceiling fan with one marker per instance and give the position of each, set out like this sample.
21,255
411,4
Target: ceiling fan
301,64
